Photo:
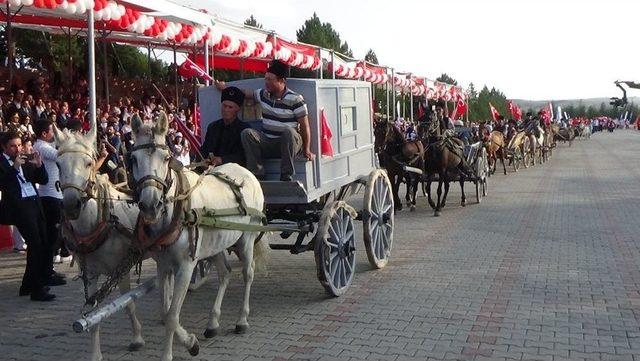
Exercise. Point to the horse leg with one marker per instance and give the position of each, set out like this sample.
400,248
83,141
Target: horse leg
438,206
463,202
165,282
395,184
428,187
138,342
224,275
96,353
412,188
504,167
446,192
245,254
172,320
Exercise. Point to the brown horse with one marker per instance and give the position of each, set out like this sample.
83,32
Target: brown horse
395,152
494,143
444,157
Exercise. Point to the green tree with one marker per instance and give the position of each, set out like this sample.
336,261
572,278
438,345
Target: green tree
445,78
251,21
315,32
371,57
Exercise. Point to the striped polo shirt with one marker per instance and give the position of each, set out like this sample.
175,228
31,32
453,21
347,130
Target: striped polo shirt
280,113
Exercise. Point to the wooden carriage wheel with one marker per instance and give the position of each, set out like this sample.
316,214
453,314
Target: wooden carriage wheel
526,155
335,248
377,219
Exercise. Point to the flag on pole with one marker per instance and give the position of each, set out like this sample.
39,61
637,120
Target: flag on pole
189,69
461,109
494,112
325,140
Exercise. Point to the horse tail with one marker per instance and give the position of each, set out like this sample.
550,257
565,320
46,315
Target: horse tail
261,253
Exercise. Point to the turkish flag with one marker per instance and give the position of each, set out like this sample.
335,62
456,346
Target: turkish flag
189,69
325,140
515,110
461,109
420,110
494,112
518,114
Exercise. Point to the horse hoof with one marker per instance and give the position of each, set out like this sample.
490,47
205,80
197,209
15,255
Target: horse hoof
136,346
210,332
241,329
195,349
412,209
436,214
464,204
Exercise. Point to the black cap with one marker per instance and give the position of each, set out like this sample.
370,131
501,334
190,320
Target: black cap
279,69
233,94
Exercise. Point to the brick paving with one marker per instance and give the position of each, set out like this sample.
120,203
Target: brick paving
546,268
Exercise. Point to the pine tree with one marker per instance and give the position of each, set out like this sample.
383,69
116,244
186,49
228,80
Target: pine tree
251,21
371,57
315,32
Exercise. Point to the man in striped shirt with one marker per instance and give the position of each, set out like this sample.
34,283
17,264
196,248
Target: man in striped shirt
285,125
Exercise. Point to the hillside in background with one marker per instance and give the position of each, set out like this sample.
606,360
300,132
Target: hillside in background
595,102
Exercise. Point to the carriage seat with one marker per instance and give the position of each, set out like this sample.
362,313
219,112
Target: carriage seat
471,151
301,165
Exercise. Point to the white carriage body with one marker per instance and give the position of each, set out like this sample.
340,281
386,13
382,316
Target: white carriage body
347,107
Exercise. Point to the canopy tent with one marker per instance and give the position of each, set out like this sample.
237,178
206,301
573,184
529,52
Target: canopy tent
208,38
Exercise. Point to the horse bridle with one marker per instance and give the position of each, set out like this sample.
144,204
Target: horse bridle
87,190
152,180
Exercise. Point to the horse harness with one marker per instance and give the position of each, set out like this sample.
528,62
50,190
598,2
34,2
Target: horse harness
107,221
184,217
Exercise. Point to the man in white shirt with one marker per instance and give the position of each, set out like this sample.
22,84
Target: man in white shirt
50,194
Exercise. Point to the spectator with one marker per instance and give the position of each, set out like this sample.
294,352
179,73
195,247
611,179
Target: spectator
21,206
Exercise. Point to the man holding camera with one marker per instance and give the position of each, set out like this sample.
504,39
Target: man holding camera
21,207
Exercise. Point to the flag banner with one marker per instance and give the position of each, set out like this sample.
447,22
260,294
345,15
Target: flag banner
325,140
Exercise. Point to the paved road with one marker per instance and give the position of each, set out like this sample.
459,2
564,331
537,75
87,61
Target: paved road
546,268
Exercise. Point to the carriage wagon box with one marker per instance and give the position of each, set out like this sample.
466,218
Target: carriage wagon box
347,107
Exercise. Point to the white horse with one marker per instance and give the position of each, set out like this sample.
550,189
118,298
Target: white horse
536,145
166,193
97,217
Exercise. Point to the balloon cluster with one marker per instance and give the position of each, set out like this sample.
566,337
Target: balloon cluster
295,58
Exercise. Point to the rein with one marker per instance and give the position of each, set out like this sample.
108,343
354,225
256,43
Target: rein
88,243
87,190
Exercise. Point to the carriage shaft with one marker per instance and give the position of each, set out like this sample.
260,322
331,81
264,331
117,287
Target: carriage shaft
96,316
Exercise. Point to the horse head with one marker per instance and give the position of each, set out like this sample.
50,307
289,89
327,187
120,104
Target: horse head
149,160
76,162
387,135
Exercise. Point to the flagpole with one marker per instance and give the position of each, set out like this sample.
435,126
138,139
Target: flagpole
206,60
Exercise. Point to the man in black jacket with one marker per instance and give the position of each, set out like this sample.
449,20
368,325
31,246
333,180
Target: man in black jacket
21,207
222,143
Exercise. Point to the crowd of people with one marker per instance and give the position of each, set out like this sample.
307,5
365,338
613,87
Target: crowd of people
29,181
30,202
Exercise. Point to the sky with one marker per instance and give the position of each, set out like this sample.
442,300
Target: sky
537,50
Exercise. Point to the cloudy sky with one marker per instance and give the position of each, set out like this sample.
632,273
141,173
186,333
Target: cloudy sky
543,49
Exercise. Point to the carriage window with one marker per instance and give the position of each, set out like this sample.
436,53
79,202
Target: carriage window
348,119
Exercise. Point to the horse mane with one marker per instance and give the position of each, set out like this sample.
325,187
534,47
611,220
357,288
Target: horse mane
76,141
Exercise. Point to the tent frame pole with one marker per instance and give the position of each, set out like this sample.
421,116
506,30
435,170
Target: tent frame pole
91,66
206,61
175,75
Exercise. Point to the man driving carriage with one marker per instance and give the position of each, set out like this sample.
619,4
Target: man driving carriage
285,127
222,143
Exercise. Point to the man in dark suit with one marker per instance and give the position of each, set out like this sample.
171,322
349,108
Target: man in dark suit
222,143
21,207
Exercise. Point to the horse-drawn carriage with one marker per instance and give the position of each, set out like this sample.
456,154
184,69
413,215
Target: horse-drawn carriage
315,203
180,217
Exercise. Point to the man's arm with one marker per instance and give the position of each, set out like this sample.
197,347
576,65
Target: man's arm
221,85
305,132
